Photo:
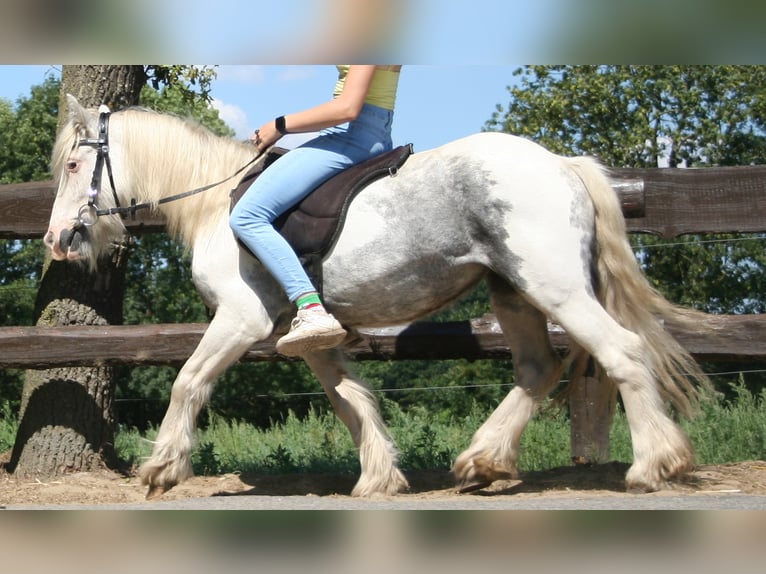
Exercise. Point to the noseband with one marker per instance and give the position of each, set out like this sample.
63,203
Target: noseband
88,214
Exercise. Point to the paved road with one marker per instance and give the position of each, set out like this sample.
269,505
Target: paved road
712,501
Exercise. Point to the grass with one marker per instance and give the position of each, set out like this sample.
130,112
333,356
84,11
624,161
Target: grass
726,431
8,427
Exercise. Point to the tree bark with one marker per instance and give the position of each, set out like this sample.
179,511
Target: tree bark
116,86
66,421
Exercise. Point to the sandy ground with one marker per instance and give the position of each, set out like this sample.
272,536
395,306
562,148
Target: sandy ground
108,487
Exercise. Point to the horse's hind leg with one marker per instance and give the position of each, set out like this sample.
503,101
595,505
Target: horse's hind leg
357,408
494,450
660,449
170,462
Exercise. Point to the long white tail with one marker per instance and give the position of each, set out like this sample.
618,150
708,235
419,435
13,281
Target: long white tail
629,298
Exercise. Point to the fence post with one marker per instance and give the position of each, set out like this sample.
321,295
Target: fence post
591,409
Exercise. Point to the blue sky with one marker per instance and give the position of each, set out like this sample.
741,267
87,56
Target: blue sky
436,103
427,31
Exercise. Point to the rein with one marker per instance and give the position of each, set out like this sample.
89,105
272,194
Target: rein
88,214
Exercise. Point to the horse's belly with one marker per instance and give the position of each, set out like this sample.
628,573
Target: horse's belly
378,295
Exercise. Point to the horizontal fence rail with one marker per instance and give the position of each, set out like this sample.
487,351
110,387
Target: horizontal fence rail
702,200
736,338
667,202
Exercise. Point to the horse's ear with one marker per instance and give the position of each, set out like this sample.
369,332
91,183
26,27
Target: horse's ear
77,114
79,117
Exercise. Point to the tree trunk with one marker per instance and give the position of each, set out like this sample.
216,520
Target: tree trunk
116,86
67,417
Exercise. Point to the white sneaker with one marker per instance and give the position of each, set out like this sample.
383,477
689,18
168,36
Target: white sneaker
311,330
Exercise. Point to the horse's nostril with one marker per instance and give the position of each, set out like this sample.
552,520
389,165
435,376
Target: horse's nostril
49,240
75,242
65,239
70,240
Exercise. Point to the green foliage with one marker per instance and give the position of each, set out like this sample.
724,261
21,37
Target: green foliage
446,388
266,392
474,304
317,443
142,394
27,134
191,83
27,131
727,430
8,425
732,429
429,440
175,99
18,284
629,116
723,273
206,460
26,140
545,443
159,287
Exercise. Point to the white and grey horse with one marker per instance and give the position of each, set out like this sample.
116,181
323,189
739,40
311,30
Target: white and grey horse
545,231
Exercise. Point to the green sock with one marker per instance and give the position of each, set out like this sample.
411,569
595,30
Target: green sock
308,300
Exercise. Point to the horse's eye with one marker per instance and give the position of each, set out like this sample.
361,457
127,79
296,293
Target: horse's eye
71,166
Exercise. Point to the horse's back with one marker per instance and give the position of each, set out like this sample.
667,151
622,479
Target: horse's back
488,145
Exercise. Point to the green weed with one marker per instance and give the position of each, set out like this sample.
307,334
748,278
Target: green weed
726,430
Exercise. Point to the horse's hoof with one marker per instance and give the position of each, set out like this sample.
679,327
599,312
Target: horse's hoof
479,472
155,491
640,488
467,487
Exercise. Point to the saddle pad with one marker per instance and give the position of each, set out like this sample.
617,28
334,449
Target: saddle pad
312,226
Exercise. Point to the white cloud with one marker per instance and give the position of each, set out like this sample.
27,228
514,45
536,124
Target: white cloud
235,117
241,74
296,73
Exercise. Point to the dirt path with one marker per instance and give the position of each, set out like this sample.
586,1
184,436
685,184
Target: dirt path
104,488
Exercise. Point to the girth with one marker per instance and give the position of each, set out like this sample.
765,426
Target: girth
312,226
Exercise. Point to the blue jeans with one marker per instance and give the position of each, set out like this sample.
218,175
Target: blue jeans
291,178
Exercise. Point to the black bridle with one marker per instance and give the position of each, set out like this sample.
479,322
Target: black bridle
88,214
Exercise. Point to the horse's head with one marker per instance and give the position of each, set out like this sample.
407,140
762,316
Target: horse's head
85,166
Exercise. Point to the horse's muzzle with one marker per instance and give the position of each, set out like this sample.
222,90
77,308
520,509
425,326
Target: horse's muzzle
68,245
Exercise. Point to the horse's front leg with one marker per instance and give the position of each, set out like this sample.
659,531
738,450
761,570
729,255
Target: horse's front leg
494,450
224,343
356,406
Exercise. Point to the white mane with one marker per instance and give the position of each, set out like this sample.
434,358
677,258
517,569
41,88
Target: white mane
165,155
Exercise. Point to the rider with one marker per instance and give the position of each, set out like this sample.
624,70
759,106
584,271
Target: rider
354,125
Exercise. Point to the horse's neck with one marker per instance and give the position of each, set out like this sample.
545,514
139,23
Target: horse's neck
176,166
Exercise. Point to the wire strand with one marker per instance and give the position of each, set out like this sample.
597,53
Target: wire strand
429,389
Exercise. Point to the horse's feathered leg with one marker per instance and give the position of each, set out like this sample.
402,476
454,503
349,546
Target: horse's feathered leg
624,333
356,406
660,449
224,343
494,450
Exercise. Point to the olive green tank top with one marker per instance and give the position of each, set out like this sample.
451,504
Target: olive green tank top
382,92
